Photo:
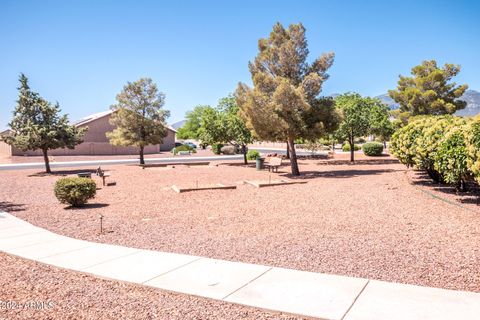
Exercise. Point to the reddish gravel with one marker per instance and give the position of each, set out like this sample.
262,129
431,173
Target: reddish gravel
363,220
72,295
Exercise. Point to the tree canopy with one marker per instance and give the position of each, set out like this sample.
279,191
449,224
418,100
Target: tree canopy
224,125
139,117
284,103
430,90
190,129
361,116
37,124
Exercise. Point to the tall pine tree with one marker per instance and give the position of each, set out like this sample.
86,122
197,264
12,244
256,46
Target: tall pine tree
284,103
37,124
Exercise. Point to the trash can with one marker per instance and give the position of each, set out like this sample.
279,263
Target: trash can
259,163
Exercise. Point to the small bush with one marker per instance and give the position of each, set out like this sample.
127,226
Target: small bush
253,155
75,191
228,150
183,147
372,149
346,147
217,148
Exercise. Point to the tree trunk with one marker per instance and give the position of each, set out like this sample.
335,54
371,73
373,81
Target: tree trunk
288,151
244,151
142,160
293,158
45,159
352,149
434,175
333,146
461,187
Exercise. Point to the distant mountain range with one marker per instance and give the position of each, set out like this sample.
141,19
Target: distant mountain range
178,124
472,98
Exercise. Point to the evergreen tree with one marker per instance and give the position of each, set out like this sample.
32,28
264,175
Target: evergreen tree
284,103
37,124
429,91
139,116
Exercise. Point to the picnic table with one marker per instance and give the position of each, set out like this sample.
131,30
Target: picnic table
272,163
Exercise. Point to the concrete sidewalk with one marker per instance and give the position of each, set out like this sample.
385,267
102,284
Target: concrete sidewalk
303,293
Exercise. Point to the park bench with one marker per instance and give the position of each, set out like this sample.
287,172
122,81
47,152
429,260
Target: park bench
102,174
273,163
183,153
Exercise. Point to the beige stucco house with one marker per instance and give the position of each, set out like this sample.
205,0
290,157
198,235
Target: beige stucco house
95,141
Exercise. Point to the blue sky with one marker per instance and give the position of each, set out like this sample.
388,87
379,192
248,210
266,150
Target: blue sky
81,53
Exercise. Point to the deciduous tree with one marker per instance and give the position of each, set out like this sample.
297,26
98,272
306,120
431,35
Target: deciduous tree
139,117
224,125
356,118
190,130
380,124
37,124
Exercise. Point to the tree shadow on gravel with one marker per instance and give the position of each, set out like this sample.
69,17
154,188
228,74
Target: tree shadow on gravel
62,172
231,164
358,162
11,207
471,196
88,206
338,174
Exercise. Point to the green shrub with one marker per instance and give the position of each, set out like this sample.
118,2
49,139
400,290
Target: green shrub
75,191
473,147
404,141
217,148
253,155
183,147
432,134
372,149
346,147
451,157
446,147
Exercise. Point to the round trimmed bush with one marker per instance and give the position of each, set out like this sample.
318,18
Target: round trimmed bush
372,149
346,147
75,191
253,155
217,148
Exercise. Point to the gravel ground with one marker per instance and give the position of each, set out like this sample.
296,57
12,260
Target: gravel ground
70,295
364,220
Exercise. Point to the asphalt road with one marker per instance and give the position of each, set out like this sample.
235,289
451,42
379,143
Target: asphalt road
189,159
